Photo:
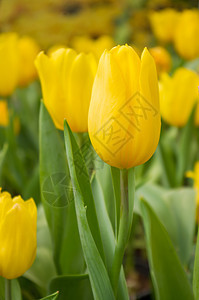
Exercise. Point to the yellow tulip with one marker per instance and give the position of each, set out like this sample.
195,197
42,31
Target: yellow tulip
162,59
178,94
124,119
18,219
28,50
195,176
9,63
163,24
4,116
66,80
96,46
186,33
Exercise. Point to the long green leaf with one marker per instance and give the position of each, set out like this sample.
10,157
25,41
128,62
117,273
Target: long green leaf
184,147
196,271
169,278
176,209
57,198
108,237
85,210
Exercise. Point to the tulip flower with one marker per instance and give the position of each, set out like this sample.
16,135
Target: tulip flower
163,24
195,176
9,63
4,116
17,235
162,59
28,50
66,80
124,118
178,94
187,29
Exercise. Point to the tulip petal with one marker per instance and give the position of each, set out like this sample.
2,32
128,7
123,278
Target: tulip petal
129,63
79,91
18,242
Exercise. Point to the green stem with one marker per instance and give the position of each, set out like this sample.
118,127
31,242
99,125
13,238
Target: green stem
8,295
126,217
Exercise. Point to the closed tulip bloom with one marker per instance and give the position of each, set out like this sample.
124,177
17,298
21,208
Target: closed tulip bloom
162,59
178,94
18,220
163,24
4,116
186,33
66,80
28,50
124,119
9,63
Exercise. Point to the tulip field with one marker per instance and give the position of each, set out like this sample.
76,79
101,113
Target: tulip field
99,150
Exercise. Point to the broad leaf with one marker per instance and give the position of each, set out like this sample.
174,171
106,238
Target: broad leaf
169,278
87,221
57,198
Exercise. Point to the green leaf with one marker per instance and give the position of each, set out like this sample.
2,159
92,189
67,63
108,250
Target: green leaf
15,289
72,287
176,209
169,278
196,271
184,151
77,165
51,297
57,198
103,173
86,216
168,167
107,233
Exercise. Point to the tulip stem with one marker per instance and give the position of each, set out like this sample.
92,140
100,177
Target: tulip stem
126,218
8,295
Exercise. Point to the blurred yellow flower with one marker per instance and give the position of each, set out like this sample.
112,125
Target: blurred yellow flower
4,116
186,34
178,94
96,46
162,59
195,176
124,119
163,24
17,235
66,80
9,63
28,50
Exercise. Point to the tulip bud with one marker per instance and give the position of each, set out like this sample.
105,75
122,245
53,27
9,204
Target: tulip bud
124,119
186,32
9,63
66,80
17,235
162,59
163,24
4,116
28,50
178,94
